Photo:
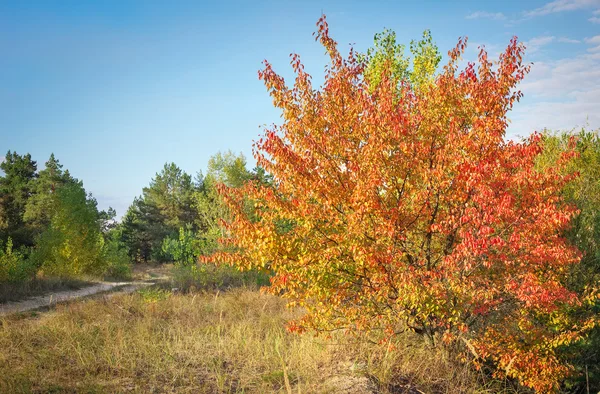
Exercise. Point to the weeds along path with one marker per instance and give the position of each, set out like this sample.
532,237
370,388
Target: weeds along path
69,295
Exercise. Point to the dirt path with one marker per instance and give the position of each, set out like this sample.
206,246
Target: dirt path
67,295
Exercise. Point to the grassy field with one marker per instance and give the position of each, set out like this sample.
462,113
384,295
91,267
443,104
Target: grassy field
154,341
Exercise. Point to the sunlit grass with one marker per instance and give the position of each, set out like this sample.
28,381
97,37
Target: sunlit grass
221,342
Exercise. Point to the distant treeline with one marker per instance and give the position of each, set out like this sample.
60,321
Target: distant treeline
177,218
50,226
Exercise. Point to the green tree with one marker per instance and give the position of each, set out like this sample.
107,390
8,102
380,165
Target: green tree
170,192
165,206
138,230
584,192
14,267
19,172
39,208
223,168
108,221
72,244
115,256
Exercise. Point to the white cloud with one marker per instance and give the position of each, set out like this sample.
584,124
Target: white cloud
597,12
594,19
560,94
593,40
561,6
536,43
568,40
486,15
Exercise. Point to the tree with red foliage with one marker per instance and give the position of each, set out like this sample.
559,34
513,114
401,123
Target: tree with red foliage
401,205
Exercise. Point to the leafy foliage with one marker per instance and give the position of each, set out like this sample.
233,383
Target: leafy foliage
182,249
73,242
386,59
40,205
223,168
406,208
14,267
48,222
584,192
114,253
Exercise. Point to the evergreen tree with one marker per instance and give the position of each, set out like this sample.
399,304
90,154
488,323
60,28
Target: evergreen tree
108,221
164,207
39,208
135,231
170,193
15,191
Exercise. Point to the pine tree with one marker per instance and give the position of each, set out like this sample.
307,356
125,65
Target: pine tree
15,191
39,208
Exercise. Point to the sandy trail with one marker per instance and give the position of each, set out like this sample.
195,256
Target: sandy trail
68,295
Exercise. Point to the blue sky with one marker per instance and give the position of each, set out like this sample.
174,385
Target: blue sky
117,88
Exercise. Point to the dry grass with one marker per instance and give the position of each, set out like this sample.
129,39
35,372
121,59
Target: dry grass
228,342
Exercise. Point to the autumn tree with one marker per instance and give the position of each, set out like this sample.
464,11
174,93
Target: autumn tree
405,208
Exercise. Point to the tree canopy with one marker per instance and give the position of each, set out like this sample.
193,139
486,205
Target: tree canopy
407,209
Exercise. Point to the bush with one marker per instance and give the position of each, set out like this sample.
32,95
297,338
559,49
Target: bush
14,266
584,192
118,264
182,249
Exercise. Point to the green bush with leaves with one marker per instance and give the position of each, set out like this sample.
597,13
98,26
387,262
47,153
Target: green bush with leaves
14,266
118,263
182,249
72,244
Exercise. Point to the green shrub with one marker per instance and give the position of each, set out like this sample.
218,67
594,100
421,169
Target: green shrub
14,266
118,264
584,192
182,249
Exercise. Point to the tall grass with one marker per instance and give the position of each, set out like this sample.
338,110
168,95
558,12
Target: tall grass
214,277
222,342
